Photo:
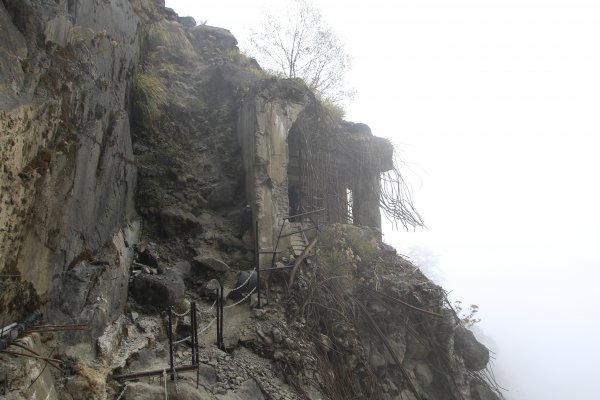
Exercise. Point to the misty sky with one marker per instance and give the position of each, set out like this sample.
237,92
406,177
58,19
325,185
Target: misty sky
495,106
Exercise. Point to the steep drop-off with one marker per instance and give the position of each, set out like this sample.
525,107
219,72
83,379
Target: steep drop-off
137,152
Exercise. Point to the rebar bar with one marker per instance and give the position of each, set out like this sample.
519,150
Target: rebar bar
156,372
170,336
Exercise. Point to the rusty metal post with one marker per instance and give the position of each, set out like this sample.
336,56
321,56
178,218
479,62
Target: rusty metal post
257,263
220,342
219,316
194,335
170,334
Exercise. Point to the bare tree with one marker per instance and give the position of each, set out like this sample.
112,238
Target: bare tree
299,44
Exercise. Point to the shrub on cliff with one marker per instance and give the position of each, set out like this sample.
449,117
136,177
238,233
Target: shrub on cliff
298,43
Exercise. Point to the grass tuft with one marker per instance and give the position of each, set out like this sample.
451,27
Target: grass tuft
150,94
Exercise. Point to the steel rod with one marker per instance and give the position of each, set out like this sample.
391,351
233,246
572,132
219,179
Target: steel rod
60,326
144,374
257,261
300,231
220,342
34,353
15,353
276,268
170,332
401,302
305,213
218,317
55,329
194,336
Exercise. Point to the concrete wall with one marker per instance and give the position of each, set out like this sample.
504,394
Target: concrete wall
357,159
264,124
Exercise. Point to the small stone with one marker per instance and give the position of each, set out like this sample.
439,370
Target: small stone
376,361
326,343
209,288
263,337
277,335
259,313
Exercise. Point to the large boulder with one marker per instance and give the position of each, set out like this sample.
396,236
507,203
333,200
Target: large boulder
482,392
209,264
204,35
222,195
189,22
246,282
176,222
475,354
158,290
183,268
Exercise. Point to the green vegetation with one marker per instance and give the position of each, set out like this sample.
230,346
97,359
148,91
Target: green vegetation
334,109
242,59
159,35
171,37
342,248
336,264
150,94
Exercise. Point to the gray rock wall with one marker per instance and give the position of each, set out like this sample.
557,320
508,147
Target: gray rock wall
67,175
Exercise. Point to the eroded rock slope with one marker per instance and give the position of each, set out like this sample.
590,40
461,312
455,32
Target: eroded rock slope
123,191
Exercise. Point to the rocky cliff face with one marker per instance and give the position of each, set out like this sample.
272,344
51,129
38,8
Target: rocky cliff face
68,174
136,151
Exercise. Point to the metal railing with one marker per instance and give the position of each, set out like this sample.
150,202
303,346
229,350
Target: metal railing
193,338
275,251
